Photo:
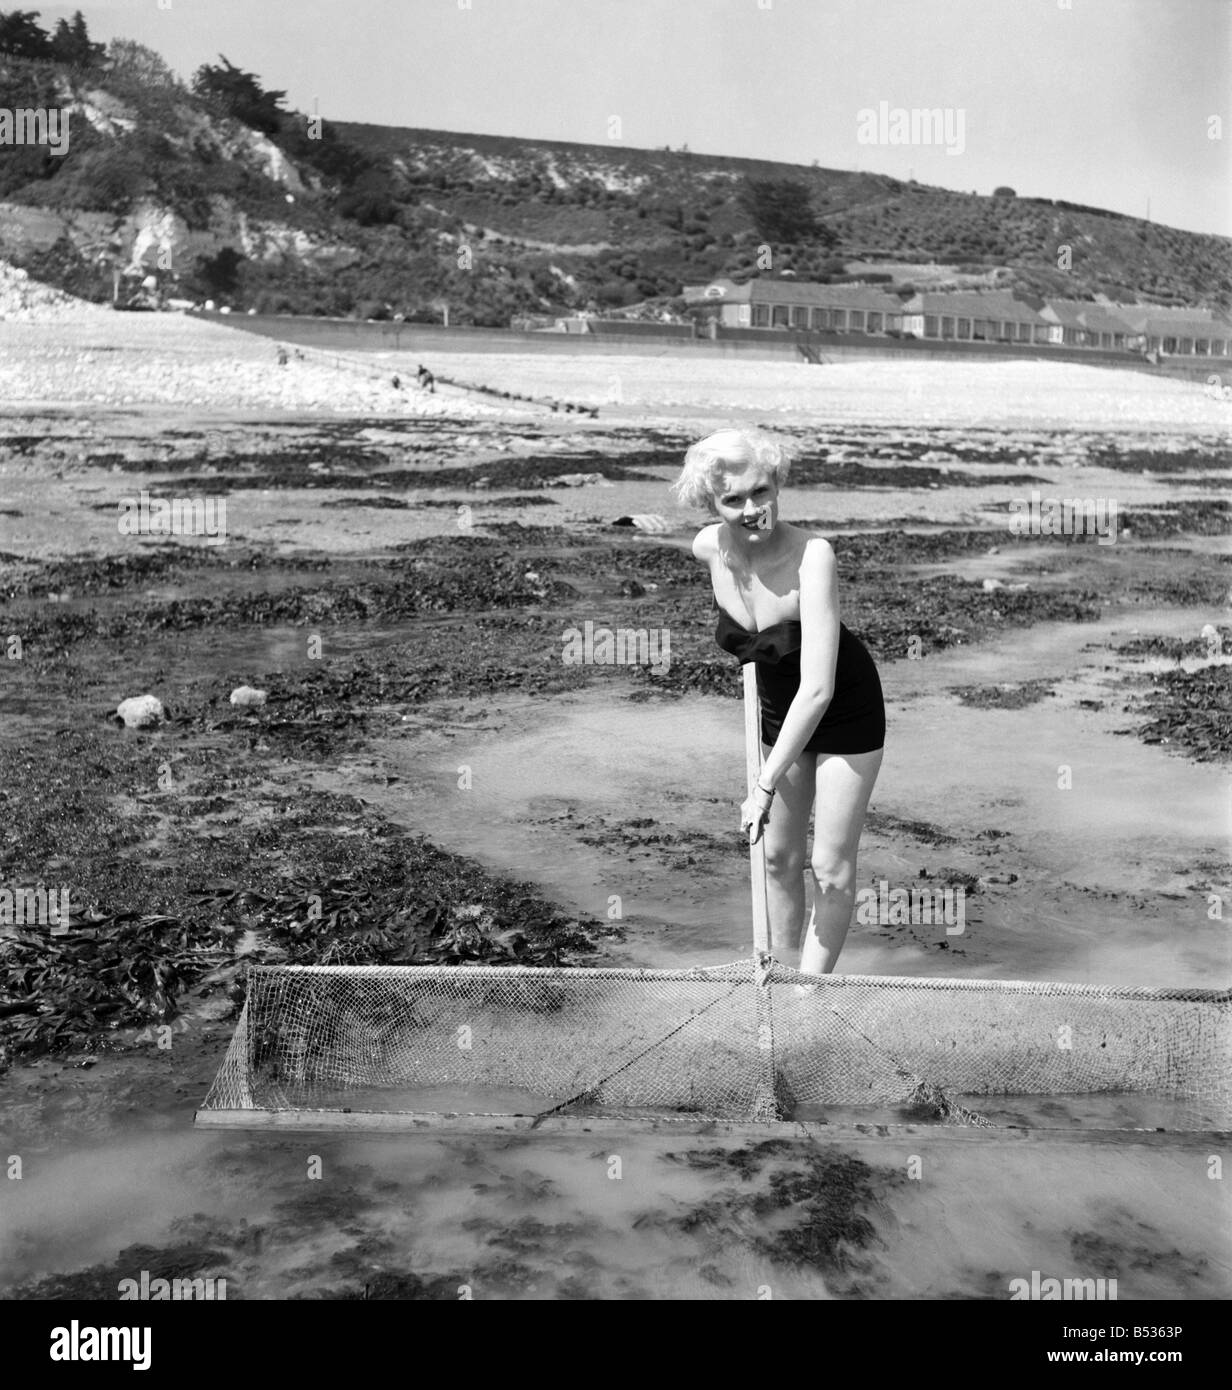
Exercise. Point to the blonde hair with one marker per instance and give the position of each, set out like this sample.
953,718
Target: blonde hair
727,451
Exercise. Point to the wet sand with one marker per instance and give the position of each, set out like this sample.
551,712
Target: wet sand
440,562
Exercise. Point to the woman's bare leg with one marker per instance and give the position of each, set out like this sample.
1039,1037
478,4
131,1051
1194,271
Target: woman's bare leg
786,841
844,784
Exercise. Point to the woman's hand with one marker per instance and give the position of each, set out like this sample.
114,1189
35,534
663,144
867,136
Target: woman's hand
755,813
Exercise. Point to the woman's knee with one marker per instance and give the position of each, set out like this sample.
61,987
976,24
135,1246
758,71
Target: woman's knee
784,860
834,868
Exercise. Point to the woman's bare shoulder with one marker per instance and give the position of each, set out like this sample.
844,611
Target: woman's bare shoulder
817,551
814,550
706,542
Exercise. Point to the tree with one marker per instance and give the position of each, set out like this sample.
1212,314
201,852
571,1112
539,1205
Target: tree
782,211
218,276
1004,192
367,202
241,95
134,61
21,36
71,44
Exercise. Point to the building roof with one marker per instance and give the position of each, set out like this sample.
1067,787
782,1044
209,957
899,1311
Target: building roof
1081,313
1100,319
1139,313
1185,328
1160,321
797,293
976,304
1067,312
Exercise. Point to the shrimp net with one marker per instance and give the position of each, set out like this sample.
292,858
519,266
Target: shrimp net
754,1040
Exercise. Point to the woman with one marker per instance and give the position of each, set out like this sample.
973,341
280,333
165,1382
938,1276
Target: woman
822,712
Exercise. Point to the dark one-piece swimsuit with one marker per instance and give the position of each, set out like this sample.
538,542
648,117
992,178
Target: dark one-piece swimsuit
854,721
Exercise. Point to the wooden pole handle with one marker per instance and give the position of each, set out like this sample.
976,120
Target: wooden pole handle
757,852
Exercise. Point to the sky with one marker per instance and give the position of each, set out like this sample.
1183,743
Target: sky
1106,102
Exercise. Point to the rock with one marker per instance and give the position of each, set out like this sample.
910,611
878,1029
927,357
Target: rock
140,712
576,479
992,584
246,695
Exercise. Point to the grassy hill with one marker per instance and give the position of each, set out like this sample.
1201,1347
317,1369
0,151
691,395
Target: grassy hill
217,191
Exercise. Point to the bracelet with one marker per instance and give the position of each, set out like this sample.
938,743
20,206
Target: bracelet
768,790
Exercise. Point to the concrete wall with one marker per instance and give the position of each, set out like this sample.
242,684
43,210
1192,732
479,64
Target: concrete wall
430,341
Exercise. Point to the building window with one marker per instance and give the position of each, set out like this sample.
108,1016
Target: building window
930,325
799,317
947,327
1202,347
761,315
1007,332
819,318
875,322
1169,344
964,328
1185,345
856,320
838,319
1024,332
778,316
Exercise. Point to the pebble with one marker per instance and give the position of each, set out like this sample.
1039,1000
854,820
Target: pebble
247,695
141,712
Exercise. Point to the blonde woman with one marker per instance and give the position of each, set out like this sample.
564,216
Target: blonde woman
822,712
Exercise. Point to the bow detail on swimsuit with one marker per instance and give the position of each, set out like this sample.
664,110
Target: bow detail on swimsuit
769,646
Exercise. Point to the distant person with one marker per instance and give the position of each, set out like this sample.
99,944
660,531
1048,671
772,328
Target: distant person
425,378
822,712
397,382
282,357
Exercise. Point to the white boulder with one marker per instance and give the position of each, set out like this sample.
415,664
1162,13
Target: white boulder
246,696
140,712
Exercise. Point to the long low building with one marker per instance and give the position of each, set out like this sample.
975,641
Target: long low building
989,316
1176,332
973,316
790,304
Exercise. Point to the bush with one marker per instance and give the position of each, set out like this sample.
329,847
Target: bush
215,277
112,179
616,294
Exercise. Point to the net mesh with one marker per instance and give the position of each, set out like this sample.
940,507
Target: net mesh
751,1040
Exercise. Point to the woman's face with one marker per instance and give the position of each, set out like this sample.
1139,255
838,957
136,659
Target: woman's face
747,499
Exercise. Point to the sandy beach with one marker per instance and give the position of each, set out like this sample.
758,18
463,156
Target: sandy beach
438,546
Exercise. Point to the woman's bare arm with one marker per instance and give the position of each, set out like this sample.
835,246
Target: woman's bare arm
818,658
